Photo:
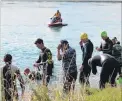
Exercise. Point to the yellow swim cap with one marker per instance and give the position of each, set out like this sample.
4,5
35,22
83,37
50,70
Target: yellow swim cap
83,36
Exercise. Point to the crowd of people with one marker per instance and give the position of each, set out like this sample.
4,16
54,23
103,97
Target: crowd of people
110,62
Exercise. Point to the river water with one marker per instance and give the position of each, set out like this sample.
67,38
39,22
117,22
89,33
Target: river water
23,22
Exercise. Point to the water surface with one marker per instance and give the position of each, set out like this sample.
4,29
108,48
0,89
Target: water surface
23,22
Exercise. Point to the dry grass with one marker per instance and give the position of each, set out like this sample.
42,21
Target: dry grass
42,93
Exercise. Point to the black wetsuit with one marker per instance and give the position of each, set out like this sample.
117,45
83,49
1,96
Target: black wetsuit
107,46
10,73
110,68
47,67
87,50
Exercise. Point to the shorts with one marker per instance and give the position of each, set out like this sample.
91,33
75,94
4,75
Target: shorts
70,77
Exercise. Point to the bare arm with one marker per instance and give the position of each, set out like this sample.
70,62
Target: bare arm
59,57
20,80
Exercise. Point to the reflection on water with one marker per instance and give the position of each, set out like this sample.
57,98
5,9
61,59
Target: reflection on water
56,29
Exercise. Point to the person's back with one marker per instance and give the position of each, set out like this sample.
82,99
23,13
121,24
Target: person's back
99,60
13,69
110,68
9,75
117,51
95,60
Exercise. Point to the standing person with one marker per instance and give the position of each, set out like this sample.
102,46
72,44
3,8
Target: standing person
117,51
116,41
110,68
45,59
107,45
9,75
87,50
68,58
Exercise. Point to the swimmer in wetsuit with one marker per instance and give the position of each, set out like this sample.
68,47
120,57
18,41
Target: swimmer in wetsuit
110,68
46,58
87,50
107,45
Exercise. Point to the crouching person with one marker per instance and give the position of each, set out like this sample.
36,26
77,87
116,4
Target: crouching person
110,68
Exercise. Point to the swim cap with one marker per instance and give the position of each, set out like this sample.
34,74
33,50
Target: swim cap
83,36
26,71
104,34
119,80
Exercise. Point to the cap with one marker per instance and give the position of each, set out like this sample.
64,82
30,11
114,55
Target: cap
83,36
104,34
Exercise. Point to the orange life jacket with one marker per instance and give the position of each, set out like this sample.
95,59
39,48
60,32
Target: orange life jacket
57,15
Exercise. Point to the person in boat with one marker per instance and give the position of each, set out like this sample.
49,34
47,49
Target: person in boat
57,17
87,50
68,56
9,75
45,59
110,68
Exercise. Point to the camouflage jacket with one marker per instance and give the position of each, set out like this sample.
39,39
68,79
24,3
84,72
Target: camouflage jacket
69,61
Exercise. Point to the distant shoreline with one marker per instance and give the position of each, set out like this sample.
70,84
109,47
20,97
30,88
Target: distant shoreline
62,0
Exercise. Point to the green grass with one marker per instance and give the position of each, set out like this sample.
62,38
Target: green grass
108,94
41,93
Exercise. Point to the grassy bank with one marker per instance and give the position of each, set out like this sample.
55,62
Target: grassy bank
41,93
